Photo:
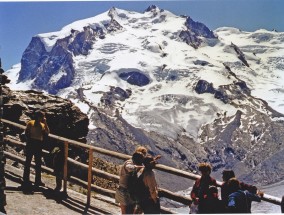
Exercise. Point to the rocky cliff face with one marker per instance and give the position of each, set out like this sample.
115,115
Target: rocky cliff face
63,117
195,32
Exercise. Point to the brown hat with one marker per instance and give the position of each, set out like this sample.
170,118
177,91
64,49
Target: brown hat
204,167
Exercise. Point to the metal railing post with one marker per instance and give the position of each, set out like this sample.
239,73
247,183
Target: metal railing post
65,167
90,176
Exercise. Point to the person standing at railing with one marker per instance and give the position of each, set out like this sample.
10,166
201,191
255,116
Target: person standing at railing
36,131
213,205
58,165
142,150
201,186
122,195
227,175
239,201
148,189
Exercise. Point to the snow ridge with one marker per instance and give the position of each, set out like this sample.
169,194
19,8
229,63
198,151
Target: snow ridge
166,74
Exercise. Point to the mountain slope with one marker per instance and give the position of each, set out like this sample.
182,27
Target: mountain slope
169,83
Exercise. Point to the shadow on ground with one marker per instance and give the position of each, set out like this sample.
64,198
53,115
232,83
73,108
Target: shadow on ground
60,197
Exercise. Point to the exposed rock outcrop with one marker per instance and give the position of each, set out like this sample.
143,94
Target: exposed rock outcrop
115,94
53,69
240,54
135,78
63,117
195,32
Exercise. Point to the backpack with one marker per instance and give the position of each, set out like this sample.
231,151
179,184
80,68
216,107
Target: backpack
238,202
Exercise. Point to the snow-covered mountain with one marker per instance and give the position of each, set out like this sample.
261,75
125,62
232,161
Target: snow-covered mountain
170,83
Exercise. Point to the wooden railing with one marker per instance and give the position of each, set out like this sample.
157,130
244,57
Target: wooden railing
91,170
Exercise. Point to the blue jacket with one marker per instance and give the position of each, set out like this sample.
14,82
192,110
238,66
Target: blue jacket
240,201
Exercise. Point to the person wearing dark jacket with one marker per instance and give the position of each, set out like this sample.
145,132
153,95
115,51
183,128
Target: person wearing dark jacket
213,205
201,186
149,202
227,175
239,201
58,165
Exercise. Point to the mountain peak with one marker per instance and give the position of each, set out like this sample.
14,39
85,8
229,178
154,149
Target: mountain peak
171,81
152,8
112,13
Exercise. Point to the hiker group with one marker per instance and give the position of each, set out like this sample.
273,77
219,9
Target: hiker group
138,191
236,196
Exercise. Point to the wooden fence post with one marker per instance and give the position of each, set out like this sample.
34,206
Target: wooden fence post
90,176
65,167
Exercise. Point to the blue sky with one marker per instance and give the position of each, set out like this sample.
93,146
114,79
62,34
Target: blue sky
20,21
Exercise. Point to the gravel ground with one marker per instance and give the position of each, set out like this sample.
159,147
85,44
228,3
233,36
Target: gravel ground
45,201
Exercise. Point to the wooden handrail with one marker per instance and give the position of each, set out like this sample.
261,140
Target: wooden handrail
106,192
175,197
164,168
77,144
22,161
98,172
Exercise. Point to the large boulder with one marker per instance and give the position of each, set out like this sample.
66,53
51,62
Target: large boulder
203,86
135,78
63,117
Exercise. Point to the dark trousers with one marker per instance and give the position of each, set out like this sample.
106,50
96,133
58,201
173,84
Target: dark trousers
150,207
33,148
59,177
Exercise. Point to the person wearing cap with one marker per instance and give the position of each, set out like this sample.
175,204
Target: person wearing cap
35,132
